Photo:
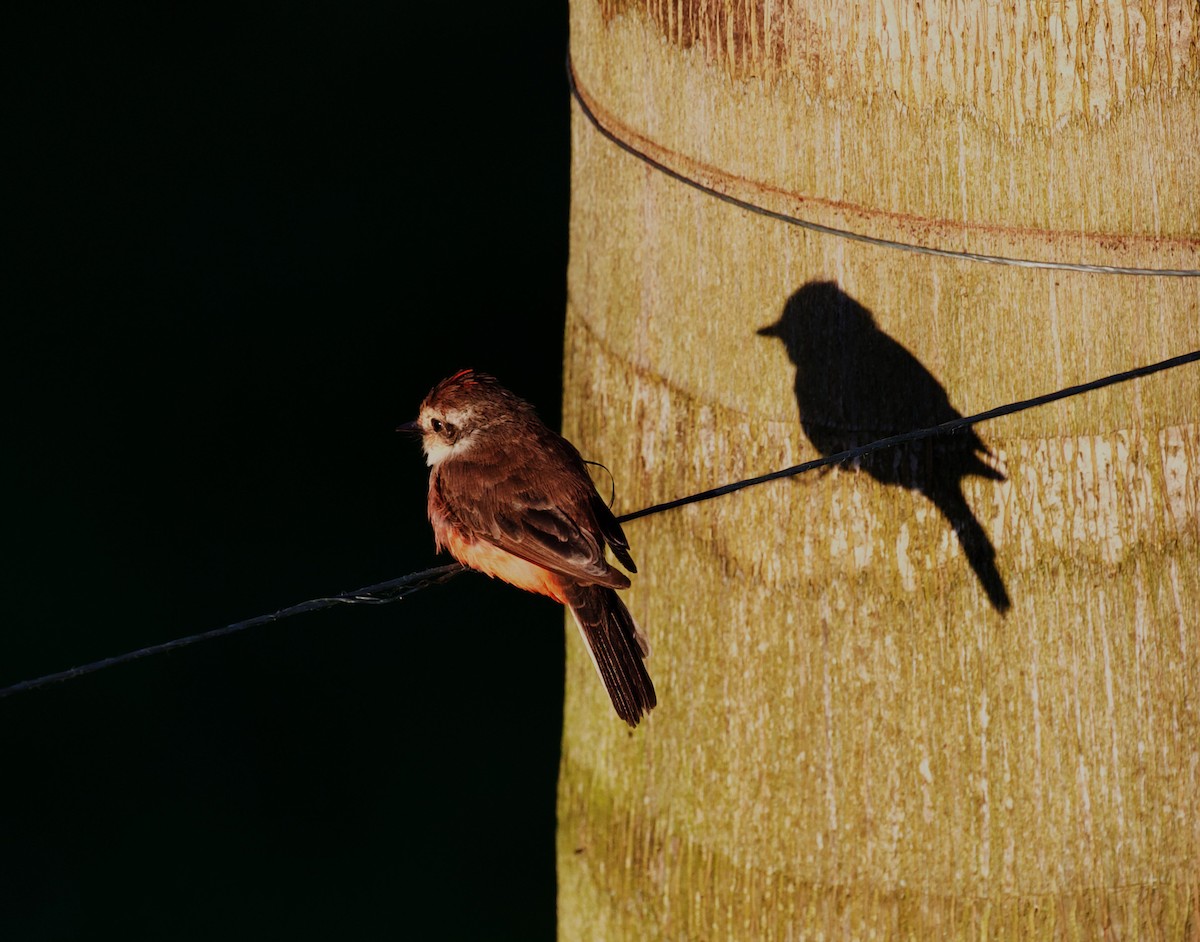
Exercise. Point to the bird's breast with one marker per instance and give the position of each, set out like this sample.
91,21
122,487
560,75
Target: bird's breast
490,559
473,550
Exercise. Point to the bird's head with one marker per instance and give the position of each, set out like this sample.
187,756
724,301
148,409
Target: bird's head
458,411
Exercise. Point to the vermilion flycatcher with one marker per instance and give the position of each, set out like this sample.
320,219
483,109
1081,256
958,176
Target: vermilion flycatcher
511,498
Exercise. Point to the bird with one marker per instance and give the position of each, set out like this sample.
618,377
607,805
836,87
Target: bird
512,498
855,384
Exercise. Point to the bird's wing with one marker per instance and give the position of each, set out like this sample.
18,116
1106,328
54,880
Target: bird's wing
510,505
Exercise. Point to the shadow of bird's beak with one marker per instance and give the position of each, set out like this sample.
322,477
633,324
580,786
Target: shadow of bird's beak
771,330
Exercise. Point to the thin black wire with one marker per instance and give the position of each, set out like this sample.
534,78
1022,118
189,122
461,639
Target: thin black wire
378,594
394,589
954,425
858,236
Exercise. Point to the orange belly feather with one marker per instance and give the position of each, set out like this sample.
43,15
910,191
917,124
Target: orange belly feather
501,564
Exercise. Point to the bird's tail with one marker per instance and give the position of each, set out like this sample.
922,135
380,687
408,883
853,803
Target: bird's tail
617,647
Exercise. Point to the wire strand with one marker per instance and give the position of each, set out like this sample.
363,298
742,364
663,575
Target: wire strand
945,428
378,594
394,589
847,233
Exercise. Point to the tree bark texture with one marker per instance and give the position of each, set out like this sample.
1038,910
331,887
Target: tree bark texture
953,691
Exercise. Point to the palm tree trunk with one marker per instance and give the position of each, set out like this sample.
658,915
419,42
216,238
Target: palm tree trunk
951,691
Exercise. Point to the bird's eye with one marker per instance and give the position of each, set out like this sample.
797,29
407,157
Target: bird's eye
437,425
449,430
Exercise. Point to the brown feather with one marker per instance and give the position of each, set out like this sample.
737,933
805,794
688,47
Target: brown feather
513,499
508,501
617,649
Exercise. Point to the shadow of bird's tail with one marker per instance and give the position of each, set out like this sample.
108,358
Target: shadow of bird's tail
976,465
976,545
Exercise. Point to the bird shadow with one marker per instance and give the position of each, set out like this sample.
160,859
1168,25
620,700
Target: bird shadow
855,385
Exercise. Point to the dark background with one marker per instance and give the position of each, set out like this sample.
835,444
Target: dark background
246,246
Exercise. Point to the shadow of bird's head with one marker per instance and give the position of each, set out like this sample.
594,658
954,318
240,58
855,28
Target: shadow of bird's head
818,321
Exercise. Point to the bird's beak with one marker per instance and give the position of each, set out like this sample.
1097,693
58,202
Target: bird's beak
413,427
